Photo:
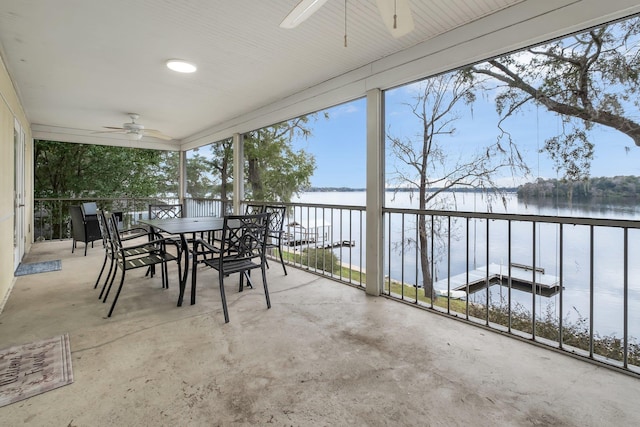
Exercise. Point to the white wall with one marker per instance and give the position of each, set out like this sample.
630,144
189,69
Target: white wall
11,109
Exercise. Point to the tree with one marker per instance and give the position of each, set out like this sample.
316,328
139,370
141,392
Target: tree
428,167
222,164
81,170
274,170
199,178
589,78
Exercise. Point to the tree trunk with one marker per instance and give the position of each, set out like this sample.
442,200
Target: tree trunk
254,180
427,280
224,179
423,231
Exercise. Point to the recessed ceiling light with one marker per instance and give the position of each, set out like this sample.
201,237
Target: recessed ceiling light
181,66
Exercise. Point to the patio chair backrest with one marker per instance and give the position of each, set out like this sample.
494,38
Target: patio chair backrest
83,228
165,211
252,209
245,236
276,220
89,209
77,223
114,235
102,223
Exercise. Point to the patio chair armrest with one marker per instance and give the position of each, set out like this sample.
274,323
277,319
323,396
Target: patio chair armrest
207,246
138,230
160,242
174,242
142,233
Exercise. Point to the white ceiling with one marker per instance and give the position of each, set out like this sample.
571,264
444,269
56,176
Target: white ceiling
79,65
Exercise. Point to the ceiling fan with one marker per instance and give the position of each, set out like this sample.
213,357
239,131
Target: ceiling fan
396,15
135,131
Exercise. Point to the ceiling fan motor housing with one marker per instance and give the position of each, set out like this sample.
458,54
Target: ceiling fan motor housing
132,127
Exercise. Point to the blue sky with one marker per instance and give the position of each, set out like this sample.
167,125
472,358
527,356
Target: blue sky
339,146
339,143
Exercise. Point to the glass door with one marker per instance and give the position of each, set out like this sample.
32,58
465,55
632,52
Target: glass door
19,196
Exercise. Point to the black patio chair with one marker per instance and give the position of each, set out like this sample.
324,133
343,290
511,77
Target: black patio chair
246,235
276,230
83,229
125,235
146,254
163,211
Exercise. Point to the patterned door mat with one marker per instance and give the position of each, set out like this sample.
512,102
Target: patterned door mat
30,369
38,267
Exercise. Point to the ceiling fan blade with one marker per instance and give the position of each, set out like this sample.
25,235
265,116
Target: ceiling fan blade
396,15
156,134
302,11
116,130
135,131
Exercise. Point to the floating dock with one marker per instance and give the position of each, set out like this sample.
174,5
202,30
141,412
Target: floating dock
522,278
321,245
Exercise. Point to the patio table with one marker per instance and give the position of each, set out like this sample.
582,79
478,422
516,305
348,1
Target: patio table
183,227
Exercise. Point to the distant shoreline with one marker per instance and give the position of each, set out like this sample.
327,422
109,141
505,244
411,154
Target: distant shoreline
402,190
612,188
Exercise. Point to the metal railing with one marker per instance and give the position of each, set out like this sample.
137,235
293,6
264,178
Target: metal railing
328,240
52,221
198,207
566,283
563,282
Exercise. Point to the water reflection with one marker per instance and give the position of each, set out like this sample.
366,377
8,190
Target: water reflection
580,276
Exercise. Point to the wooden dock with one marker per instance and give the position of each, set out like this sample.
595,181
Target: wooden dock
522,278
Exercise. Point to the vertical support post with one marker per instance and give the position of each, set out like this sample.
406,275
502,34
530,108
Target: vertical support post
561,281
625,290
375,192
591,289
533,281
238,172
182,178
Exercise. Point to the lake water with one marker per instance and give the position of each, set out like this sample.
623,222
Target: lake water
607,267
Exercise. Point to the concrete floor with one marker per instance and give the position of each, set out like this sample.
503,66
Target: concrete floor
324,354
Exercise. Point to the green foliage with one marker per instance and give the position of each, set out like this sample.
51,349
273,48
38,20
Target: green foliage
336,272
573,334
587,79
222,166
571,154
274,170
199,177
320,259
82,170
623,189
199,183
